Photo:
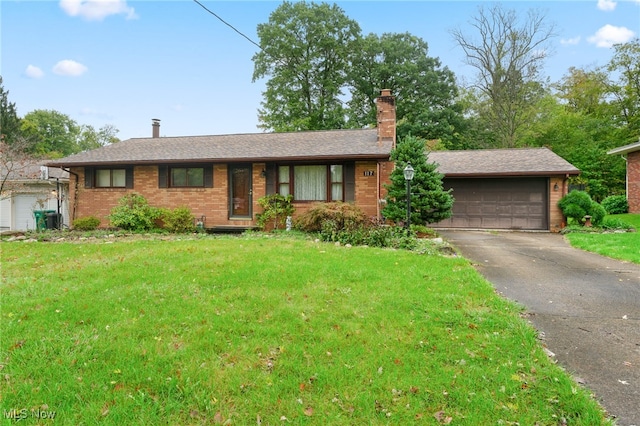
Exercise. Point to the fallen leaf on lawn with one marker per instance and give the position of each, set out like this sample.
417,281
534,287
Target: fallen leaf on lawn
441,417
308,411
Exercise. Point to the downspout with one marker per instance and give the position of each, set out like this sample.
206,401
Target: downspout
378,183
75,195
626,177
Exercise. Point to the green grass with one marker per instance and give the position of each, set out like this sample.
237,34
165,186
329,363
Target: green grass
623,246
243,330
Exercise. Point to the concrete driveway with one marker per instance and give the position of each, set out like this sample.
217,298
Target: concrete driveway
587,307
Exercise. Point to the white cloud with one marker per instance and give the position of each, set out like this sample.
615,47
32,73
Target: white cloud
97,10
570,41
607,5
609,35
69,68
33,72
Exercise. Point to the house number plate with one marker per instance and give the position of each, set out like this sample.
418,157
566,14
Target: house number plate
369,172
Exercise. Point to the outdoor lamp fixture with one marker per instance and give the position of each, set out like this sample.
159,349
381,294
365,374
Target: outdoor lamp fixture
408,177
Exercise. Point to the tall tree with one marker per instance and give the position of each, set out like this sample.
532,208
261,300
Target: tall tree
425,91
584,91
508,55
626,62
9,120
52,133
429,201
305,51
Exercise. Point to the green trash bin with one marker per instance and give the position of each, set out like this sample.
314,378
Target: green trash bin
41,219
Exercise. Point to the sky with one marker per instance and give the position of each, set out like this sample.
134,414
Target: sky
125,62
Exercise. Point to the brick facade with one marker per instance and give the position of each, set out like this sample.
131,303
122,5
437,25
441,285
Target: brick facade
558,188
633,181
213,203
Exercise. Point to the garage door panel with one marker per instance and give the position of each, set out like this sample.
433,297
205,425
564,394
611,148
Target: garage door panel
496,203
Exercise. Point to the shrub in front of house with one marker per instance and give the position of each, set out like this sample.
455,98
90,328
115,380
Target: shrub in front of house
276,209
87,223
178,221
133,213
615,204
347,224
343,217
576,205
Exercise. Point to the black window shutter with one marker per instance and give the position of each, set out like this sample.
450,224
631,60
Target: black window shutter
88,177
162,176
208,177
129,177
350,182
271,178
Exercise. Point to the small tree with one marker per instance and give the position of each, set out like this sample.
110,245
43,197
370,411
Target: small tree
430,203
276,209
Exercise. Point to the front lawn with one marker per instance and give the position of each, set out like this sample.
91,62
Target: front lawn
623,246
262,330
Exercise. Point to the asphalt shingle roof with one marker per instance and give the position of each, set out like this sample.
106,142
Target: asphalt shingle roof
238,147
317,145
501,162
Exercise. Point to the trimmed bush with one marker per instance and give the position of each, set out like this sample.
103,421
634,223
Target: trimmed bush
578,204
87,223
133,213
178,221
616,204
597,213
344,217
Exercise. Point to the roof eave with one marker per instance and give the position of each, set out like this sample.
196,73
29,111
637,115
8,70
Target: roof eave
322,158
623,150
514,174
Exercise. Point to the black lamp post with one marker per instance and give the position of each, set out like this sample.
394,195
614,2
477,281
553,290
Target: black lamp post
408,177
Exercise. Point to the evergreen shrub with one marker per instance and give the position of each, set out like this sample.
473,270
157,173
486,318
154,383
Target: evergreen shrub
616,204
87,223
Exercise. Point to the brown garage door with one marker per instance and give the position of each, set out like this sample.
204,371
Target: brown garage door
509,203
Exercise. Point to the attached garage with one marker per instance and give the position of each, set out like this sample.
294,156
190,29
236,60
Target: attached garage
515,189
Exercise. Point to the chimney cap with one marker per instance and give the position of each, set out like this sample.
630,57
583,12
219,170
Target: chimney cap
385,92
155,120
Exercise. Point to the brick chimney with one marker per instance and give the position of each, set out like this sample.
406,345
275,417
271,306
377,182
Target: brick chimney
155,126
386,117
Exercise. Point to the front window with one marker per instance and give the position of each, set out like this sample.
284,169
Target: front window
187,177
111,178
312,182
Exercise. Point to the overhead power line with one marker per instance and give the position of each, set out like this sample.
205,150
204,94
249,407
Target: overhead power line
228,24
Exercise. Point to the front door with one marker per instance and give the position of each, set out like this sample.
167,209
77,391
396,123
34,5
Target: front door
240,191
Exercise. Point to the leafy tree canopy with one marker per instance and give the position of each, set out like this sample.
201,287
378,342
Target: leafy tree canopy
54,134
425,91
305,50
322,74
